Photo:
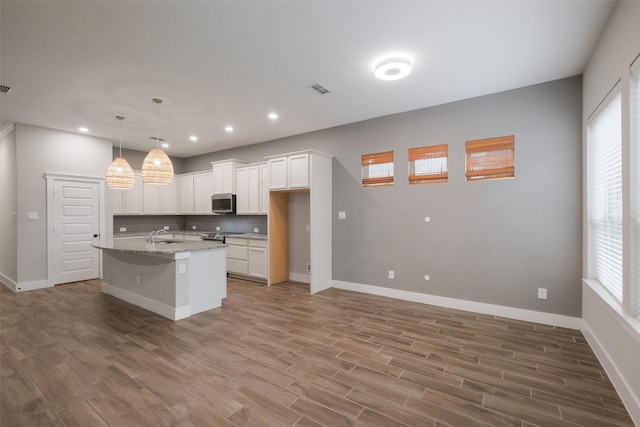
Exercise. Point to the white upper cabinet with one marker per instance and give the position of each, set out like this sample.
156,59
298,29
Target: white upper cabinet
264,188
249,189
224,176
298,170
290,171
185,194
128,202
160,199
202,192
278,173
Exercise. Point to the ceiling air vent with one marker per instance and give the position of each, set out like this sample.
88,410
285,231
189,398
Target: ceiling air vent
5,89
156,139
320,88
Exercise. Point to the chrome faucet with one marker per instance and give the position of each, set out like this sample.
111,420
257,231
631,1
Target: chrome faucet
151,237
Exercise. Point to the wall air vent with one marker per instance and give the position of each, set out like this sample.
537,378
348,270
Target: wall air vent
320,88
156,139
5,89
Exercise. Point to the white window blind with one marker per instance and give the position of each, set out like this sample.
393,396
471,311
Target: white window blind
604,162
635,189
377,169
428,164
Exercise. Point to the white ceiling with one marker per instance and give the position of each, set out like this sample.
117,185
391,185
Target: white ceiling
217,63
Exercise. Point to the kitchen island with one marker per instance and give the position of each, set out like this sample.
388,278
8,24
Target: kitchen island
174,279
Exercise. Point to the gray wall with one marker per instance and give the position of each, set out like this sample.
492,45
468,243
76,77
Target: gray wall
40,151
493,242
135,159
300,238
8,205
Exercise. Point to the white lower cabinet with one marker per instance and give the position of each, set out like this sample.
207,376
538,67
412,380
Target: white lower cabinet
247,257
258,259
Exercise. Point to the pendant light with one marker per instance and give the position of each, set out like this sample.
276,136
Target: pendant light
157,167
119,174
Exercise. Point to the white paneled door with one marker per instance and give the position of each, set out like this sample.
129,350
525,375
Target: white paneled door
76,224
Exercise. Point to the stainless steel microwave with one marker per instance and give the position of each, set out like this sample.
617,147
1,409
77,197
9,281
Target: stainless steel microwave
223,203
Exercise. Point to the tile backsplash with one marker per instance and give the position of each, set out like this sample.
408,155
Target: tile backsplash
204,223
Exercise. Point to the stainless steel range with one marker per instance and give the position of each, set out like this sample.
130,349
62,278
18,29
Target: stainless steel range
218,235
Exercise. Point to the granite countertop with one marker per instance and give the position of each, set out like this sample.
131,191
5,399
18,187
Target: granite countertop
141,246
252,236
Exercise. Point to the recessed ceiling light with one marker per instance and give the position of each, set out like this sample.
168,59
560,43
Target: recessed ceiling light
165,145
83,129
273,116
193,138
392,68
228,128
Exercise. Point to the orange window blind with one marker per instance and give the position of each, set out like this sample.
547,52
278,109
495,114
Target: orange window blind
377,169
491,158
428,164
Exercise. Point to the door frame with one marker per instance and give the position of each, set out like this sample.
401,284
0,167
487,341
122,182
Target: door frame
51,178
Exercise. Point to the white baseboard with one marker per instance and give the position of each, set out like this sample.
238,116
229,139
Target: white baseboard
297,277
477,307
615,339
32,286
147,303
8,282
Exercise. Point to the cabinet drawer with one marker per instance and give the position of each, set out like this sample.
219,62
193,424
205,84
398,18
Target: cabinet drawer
257,243
237,266
237,252
235,241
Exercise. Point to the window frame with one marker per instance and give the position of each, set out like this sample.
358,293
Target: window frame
605,218
506,169
381,159
429,152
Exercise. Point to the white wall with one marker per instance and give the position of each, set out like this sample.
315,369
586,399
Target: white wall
614,336
41,151
8,205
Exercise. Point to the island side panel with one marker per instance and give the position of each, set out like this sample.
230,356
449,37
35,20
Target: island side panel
146,281
207,272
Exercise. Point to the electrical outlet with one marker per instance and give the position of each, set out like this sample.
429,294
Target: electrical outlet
193,227
166,227
217,228
256,230
542,293
123,229
342,215
392,274
308,267
32,216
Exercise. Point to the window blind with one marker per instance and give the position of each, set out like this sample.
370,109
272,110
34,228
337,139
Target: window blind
491,158
604,162
377,169
428,164
635,189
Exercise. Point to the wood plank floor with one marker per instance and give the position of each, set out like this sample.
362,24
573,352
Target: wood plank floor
276,356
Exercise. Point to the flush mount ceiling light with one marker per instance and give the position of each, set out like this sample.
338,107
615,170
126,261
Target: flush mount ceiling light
273,116
392,68
228,129
157,167
193,138
83,129
119,174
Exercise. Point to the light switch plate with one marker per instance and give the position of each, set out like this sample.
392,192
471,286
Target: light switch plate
542,293
256,230
123,229
32,216
342,215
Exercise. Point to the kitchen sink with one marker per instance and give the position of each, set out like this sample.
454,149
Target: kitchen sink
167,241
